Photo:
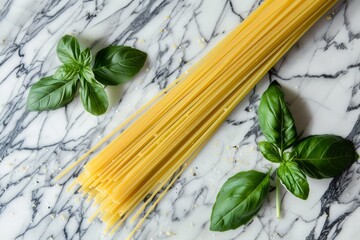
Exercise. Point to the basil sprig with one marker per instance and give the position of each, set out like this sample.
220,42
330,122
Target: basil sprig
318,156
113,65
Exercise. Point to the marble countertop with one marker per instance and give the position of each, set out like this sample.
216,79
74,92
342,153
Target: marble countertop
321,77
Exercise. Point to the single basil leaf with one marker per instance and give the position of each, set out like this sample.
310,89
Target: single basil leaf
269,151
50,93
294,179
93,97
85,57
68,49
239,199
324,156
67,71
275,119
117,64
88,75
288,156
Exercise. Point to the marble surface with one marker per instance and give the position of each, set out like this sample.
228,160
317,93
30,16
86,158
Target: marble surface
320,75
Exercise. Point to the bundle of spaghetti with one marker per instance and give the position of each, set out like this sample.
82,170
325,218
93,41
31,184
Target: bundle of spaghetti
151,153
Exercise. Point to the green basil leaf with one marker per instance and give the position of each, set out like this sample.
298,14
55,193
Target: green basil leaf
68,49
239,199
275,119
288,156
50,93
67,71
117,64
294,179
269,151
88,74
85,57
93,97
324,156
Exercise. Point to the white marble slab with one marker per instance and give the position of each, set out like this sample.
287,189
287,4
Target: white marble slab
320,75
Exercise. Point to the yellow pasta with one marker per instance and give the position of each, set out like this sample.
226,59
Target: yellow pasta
165,135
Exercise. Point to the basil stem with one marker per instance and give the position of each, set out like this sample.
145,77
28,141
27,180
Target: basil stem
278,198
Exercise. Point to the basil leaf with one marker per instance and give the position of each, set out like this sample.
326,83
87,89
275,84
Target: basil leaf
239,199
66,71
294,179
68,49
117,64
50,93
93,97
87,74
269,151
324,156
275,119
288,156
85,57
